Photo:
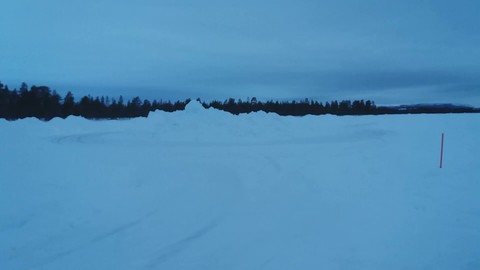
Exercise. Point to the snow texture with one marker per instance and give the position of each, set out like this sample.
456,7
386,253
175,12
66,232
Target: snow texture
203,189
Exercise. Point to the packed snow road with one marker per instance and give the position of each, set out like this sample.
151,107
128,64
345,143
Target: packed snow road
202,189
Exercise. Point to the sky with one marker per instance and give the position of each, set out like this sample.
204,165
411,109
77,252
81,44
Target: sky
393,52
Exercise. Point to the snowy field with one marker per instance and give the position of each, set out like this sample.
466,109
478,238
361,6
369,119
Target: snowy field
203,189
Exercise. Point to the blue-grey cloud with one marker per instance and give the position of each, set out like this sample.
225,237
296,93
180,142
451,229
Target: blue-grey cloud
215,49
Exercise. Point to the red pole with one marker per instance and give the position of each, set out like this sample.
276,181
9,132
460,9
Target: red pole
441,151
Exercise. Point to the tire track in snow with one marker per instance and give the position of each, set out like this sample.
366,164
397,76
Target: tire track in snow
79,138
378,135
168,252
120,229
111,233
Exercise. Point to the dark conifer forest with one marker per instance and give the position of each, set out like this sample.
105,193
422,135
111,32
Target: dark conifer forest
344,107
43,103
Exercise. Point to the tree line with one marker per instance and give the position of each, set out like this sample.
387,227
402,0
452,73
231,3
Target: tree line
344,107
295,108
43,103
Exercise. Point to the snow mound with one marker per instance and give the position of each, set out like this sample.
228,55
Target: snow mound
194,106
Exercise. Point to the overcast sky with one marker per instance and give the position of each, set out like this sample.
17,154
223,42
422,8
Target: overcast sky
397,51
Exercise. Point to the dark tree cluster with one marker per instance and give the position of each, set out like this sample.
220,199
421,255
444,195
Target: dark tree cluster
295,108
45,104
345,107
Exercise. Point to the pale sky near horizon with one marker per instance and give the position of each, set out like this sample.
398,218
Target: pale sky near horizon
390,51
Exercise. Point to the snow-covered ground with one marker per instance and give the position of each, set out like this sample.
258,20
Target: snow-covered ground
203,189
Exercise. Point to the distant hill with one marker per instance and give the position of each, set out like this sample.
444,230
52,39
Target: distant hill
428,108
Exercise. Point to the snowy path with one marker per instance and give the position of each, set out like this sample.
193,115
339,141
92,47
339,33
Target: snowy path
207,190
